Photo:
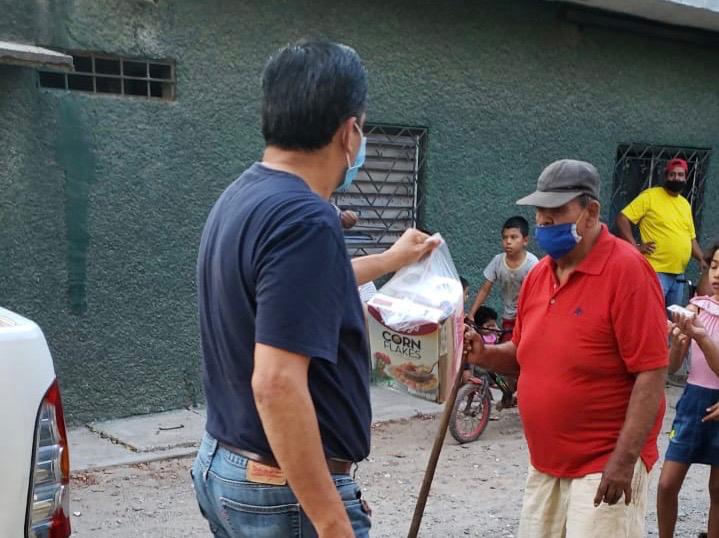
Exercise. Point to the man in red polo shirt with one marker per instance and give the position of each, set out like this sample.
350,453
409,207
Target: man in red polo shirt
590,350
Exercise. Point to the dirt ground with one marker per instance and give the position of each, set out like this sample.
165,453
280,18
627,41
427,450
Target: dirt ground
477,490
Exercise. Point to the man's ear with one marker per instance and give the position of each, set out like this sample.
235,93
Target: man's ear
344,132
594,209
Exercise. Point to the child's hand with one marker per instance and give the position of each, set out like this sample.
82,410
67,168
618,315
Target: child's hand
348,219
712,413
691,327
676,337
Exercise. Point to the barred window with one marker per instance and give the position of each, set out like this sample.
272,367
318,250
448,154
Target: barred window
387,193
101,73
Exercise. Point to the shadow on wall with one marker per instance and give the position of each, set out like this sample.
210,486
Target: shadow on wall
75,155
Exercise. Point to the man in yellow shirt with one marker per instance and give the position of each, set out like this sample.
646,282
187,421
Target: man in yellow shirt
666,227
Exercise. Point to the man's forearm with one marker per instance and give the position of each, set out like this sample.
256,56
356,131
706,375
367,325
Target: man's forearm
290,423
373,266
412,246
641,414
501,359
624,227
697,251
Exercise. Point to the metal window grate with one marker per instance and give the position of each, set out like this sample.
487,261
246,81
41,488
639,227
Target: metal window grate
387,192
639,166
101,73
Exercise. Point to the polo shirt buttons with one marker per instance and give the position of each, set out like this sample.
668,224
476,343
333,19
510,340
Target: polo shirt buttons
552,300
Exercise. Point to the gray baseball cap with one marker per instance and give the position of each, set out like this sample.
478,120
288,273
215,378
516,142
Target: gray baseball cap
563,181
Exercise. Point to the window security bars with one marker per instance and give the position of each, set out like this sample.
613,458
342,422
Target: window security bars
104,74
386,194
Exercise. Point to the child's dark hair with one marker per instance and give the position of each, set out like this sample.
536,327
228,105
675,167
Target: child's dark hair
465,283
517,222
709,254
483,315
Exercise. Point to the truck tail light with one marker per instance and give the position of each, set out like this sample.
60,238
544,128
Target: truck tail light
48,513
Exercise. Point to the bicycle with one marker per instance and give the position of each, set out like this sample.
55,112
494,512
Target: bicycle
470,413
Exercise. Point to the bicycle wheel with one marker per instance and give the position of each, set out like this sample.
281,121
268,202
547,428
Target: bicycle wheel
470,413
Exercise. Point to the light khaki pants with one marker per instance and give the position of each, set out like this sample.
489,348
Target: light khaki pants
564,508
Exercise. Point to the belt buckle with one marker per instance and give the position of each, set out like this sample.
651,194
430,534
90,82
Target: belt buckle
259,473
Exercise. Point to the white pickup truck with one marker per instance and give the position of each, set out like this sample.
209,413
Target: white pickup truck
34,459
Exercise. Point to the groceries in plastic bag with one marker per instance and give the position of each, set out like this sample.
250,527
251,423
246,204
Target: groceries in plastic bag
426,292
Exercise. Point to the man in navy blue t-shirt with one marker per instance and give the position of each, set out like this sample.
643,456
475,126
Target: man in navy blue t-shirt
285,356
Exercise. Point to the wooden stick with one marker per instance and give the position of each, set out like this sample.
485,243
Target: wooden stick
434,456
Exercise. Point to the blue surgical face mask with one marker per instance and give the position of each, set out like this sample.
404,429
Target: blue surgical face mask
352,169
558,240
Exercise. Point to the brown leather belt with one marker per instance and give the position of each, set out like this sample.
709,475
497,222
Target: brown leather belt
335,466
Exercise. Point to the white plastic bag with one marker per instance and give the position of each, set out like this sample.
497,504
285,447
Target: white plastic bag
426,292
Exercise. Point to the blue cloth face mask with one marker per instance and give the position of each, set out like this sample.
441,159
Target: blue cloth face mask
558,240
352,170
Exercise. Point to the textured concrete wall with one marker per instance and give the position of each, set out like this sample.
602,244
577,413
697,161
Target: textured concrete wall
103,197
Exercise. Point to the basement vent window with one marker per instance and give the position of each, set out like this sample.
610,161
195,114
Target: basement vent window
104,74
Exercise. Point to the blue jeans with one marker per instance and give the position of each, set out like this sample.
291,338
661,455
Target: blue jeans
235,507
673,288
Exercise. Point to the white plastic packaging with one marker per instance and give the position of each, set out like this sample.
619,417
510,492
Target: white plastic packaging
684,312
432,283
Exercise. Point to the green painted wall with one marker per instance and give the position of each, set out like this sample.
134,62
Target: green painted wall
103,198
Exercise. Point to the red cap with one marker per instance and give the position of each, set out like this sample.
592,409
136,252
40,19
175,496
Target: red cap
672,164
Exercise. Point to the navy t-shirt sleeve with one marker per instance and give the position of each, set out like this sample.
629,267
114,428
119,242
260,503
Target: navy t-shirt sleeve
300,287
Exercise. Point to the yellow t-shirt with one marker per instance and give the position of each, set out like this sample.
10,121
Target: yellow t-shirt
666,220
